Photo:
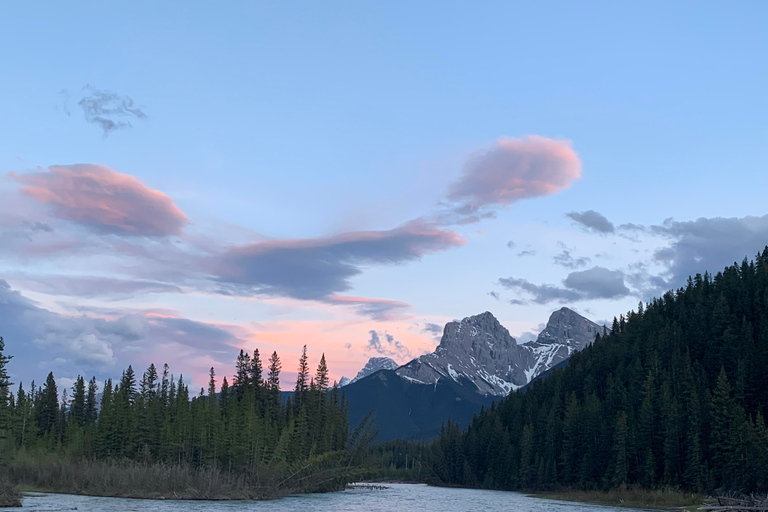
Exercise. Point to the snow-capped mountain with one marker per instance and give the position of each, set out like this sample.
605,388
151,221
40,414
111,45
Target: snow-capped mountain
480,351
373,365
566,332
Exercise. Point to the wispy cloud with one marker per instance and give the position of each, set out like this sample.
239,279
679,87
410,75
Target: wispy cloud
591,220
107,109
385,344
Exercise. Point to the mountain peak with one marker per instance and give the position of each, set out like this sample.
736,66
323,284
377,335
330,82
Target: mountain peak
373,365
566,327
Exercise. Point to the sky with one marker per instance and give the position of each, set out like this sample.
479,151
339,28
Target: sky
180,181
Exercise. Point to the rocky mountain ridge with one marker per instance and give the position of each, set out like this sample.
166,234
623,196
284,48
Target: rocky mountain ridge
373,365
480,351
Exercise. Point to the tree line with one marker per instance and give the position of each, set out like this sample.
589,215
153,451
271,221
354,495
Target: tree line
242,427
676,394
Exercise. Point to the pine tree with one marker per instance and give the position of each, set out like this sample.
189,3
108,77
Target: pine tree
5,409
90,402
48,408
321,382
77,410
302,378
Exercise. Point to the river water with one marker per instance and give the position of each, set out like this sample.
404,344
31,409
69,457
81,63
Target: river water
398,497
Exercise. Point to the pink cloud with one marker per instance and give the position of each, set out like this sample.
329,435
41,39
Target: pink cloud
513,169
103,199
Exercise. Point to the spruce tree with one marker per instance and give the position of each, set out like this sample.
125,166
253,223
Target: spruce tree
48,408
321,380
302,379
77,410
5,410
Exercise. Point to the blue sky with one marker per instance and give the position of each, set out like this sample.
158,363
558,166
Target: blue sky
272,123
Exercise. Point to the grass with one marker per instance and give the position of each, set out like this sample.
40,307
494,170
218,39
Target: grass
662,499
9,495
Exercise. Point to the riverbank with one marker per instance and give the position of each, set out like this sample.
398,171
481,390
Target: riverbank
9,495
660,499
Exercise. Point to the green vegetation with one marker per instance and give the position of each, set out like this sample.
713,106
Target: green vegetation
634,497
150,439
674,396
9,496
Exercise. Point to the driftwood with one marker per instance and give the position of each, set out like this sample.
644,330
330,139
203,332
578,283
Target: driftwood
741,504
372,487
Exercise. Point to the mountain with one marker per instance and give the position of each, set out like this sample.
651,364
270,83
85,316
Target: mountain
479,349
482,351
476,362
373,365
566,332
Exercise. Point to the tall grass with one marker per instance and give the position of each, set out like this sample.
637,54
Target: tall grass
136,480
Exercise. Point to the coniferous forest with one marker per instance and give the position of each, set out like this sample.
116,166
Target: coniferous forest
147,435
676,394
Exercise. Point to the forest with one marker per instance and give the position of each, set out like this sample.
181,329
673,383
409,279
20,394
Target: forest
676,394
148,436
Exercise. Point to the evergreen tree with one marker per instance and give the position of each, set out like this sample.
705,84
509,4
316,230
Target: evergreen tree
48,406
321,382
77,410
90,402
5,394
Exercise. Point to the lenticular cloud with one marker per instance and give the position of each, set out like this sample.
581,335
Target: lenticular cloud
513,169
103,199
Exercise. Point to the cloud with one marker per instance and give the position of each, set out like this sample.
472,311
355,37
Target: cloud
316,268
495,295
433,329
708,244
385,344
591,220
207,338
88,344
107,109
595,283
513,169
565,259
104,200
527,252
92,287
542,294
511,244
598,283
377,309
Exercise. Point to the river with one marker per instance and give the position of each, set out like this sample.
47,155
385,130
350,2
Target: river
397,497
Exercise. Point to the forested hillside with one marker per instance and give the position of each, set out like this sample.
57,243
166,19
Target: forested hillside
241,431
676,394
